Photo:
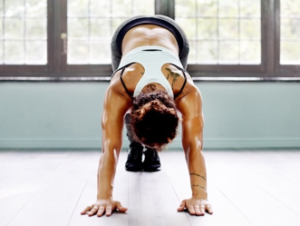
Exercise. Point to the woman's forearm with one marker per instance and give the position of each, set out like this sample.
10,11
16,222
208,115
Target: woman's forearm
197,170
106,174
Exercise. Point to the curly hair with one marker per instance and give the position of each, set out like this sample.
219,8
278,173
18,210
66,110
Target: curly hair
154,118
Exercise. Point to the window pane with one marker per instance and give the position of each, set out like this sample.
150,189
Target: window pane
99,8
14,28
91,24
100,28
78,8
228,8
1,54
1,8
228,52
36,9
290,32
35,53
115,24
229,29
14,52
144,8
122,8
207,28
78,29
208,8
289,8
290,52
250,8
193,52
36,29
23,22
290,28
249,28
14,8
1,42
250,52
78,52
207,52
218,23
186,7
98,53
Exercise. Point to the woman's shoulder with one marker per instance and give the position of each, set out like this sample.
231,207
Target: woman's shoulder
126,80
179,79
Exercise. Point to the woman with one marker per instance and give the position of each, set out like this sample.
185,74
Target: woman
149,56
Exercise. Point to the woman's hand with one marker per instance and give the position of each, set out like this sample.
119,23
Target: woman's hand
196,206
102,206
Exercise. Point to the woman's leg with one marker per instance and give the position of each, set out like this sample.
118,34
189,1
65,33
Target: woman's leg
134,158
130,132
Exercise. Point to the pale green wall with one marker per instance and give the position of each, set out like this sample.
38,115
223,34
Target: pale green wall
67,115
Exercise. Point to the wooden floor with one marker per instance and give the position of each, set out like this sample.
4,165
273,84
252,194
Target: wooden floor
260,188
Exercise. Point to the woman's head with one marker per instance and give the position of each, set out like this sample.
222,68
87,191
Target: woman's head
154,118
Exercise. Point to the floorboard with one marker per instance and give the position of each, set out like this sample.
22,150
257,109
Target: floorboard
250,180
54,202
152,200
89,195
258,188
21,175
224,210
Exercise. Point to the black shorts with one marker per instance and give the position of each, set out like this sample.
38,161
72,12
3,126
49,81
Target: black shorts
159,20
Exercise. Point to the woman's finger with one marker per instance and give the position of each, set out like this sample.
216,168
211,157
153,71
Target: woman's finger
208,209
191,209
120,207
202,210
197,210
100,211
182,206
93,210
87,209
108,210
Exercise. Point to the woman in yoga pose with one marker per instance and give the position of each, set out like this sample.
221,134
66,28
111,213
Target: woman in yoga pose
149,85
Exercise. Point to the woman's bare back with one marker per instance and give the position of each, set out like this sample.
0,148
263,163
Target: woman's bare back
147,34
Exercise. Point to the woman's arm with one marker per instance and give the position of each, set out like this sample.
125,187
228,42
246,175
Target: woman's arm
192,140
115,106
